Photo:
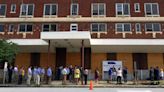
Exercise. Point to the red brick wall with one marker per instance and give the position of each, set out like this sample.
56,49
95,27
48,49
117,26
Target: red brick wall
84,7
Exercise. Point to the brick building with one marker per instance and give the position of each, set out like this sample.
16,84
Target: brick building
85,32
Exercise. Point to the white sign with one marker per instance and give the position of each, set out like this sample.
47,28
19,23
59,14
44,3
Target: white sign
110,64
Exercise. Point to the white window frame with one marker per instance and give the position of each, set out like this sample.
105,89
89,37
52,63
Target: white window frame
135,7
50,10
25,27
152,25
10,28
122,4
27,10
137,27
73,24
13,5
5,10
98,9
123,31
151,9
99,26
49,27
72,8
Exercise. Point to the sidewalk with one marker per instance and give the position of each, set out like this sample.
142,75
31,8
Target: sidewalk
101,84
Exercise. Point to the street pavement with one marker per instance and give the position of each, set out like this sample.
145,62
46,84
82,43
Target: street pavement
81,90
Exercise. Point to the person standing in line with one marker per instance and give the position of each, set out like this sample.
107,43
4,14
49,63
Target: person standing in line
114,73
64,73
151,75
35,74
29,75
119,76
81,75
97,75
110,75
38,76
49,75
10,72
71,73
77,75
21,75
161,74
85,76
42,75
125,74
16,74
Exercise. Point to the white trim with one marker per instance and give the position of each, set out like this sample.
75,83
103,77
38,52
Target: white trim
135,5
74,24
77,9
151,10
13,5
50,10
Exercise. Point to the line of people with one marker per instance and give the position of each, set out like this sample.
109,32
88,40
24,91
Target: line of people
37,75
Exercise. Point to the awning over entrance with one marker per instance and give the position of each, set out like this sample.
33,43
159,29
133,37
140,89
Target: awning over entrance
70,40
127,45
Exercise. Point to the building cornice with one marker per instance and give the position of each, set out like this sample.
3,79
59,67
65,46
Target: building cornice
82,19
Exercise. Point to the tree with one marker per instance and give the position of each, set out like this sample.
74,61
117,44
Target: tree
8,51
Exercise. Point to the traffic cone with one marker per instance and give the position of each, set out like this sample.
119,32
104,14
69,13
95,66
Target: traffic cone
91,85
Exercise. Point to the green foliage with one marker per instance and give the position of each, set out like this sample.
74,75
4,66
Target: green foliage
8,50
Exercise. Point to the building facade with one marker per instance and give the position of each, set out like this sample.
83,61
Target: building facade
85,32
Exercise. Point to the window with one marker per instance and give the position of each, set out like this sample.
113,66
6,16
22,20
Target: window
122,9
11,28
74,27
98,27
152,27
137,7
13,8
138,27
27,9
2,9
1,28
123,27
25,28
50,10
49,27
98,9
74,9
151,9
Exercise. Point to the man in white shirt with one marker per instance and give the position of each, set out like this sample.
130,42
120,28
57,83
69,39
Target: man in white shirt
119,76
29,75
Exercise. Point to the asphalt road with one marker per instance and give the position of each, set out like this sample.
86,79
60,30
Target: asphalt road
81,90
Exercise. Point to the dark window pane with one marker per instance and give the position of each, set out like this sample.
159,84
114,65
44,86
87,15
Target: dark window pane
156,27
148,9
101,9
53,27
127,27
30,9
22,28
102,27
53,10
2,10
95,27
24,9
1,28
149,27
154,9
126,9
46,27
47,10
11,28
29,28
